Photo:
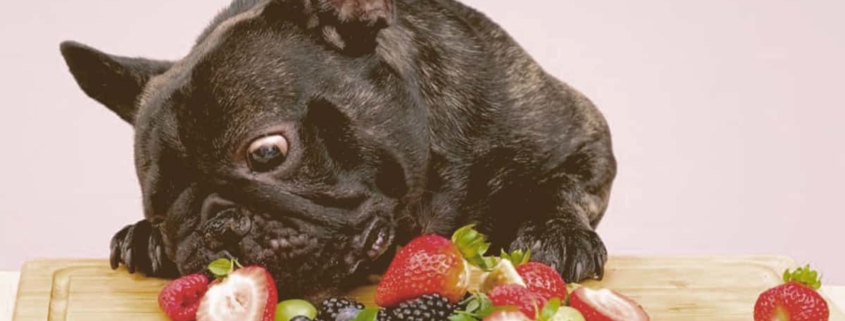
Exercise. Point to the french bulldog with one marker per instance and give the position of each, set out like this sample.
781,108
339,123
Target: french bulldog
312,137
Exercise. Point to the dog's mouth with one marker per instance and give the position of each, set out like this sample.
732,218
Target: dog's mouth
305,256
262,237
372,244
379,241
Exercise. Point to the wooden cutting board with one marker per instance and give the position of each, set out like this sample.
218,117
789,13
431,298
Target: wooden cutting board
670,288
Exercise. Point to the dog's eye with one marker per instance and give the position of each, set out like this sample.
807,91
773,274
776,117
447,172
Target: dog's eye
267,152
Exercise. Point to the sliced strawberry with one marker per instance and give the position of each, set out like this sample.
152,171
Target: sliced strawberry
180,299
272,297
606,305
247,294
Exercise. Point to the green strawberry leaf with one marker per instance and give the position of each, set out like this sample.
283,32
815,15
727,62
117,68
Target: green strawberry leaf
462,316
367,315
517,257
221,267
478,306
473,306
803,275
483,313
486,310
493,309
473,247
550,309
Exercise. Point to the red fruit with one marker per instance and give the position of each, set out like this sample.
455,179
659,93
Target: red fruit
542,280
606,305
180,299
795,300
429,264
528,302
538,277
247,294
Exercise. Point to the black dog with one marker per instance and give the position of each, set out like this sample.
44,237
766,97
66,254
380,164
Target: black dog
310,136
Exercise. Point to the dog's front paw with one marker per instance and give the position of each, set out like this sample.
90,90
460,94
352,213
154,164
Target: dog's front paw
140,248
577,253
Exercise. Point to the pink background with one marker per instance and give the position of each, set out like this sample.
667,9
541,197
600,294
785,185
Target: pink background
727,117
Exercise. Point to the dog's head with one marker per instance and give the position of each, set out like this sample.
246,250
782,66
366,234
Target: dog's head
281,139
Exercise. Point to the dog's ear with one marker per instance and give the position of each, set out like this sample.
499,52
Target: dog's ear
114,81
374,13
350,26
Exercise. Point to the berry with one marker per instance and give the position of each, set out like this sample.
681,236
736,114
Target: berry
330,308
383,315
606,305
543,280
290,309
795,300
347,314
247,294
538,277
432,264
180,299
526,300
433,307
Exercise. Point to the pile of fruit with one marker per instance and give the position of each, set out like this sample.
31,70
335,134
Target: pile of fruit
429,280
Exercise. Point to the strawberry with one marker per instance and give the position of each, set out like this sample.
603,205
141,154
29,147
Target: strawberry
245,294
795,300
606,305
432,264
526,300
543,280
180,299
429,264
538,277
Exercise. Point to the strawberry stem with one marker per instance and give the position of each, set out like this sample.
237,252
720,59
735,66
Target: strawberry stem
803,275
517,257
473,246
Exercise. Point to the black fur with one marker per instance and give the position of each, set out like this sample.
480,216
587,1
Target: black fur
402,117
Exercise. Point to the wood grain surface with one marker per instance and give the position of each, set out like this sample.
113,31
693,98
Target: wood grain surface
670,288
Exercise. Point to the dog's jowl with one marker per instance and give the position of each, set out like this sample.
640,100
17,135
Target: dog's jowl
313,136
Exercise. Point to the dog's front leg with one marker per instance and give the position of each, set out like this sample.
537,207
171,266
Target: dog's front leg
140,248
564,236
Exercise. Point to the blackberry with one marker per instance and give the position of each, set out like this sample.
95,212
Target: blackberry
429,307
330,308
347,314
383,315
